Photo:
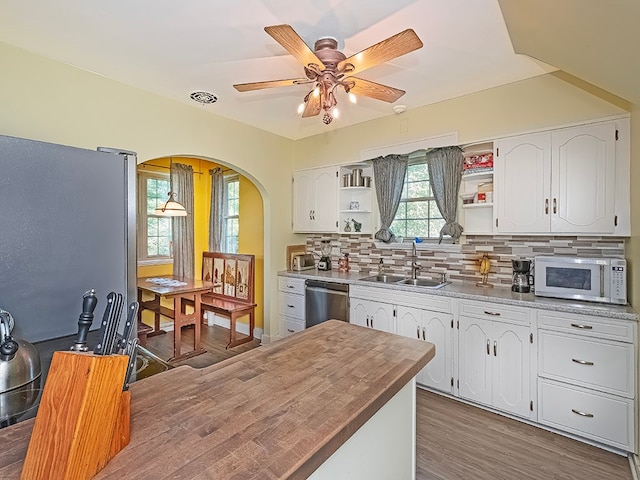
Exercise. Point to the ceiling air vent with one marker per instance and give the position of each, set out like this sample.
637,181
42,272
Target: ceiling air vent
203,97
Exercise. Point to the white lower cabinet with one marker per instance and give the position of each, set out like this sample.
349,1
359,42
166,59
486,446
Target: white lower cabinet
434,327
494,366
587,377
368,313
291,303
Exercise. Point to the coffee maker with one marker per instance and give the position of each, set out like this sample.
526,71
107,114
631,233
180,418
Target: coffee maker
325,260
522,280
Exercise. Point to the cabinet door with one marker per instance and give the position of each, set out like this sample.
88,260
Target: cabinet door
436,328
325,209
523,181
511,370
303,201
382,317
475,360
583,196
358,312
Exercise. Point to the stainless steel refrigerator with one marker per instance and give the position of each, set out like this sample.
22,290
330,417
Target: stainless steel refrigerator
67,224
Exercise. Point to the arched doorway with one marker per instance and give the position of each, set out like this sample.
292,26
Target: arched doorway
246,222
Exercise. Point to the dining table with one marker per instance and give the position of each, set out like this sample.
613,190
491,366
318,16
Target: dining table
179,289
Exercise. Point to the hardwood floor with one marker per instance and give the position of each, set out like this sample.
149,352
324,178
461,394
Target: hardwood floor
213,340
459,441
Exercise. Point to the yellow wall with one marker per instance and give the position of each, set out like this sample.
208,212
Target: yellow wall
251,226
250,238
531,104
46,100
53,102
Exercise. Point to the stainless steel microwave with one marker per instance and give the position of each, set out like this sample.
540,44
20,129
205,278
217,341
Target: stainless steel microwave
591,279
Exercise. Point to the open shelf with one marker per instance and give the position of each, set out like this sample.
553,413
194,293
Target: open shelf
477,205
488,174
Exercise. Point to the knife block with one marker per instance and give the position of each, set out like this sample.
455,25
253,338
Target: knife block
83,419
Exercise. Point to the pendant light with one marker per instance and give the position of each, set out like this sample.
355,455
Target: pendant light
171,208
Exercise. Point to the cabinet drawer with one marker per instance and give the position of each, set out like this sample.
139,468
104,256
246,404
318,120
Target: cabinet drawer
599,364
601,327
598,416
289,284
495,311
291,325
292,305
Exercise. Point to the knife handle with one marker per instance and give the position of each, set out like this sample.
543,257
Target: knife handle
89,302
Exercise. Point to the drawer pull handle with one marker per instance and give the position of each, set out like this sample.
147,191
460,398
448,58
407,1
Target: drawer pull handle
495,314
582,414
290,330
495,349
582,362
291,306
584,327
418,332
290,286
488,351
423,334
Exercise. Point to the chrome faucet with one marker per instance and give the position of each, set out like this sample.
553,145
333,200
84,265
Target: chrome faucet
415,266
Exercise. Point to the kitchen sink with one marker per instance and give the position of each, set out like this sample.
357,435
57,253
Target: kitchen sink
383,278
400,280
423,282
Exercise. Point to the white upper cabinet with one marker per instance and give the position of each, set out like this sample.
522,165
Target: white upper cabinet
315,200
562,181
583,179
523,181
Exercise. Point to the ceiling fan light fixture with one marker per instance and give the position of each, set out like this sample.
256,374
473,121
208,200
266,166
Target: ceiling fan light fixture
335,113
353,98
301,107
316,91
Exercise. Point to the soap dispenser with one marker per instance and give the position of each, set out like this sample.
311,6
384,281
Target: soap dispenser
381,268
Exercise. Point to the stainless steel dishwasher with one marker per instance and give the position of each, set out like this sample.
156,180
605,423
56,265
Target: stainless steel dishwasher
325,301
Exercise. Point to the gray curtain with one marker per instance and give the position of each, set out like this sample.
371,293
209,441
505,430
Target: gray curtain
445,174
389,173
182,227
216,212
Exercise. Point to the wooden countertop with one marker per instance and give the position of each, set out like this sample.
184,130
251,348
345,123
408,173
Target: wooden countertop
275,412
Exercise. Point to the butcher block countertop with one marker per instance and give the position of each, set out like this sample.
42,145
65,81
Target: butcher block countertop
275,412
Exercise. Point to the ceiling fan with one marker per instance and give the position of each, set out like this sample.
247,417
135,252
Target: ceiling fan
327,68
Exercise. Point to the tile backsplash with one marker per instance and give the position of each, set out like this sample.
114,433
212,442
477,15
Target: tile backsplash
462,264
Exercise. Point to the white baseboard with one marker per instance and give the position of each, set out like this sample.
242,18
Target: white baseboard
243,328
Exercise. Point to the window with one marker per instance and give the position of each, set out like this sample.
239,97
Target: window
231,211
154,232
417,215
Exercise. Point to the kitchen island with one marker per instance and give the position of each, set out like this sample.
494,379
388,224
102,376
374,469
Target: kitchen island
334,401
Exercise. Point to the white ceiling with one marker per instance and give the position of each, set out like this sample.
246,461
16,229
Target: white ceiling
172,47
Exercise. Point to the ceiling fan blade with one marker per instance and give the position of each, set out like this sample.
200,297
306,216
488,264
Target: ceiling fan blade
292,43
375,90
313,106
395,46
247,87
